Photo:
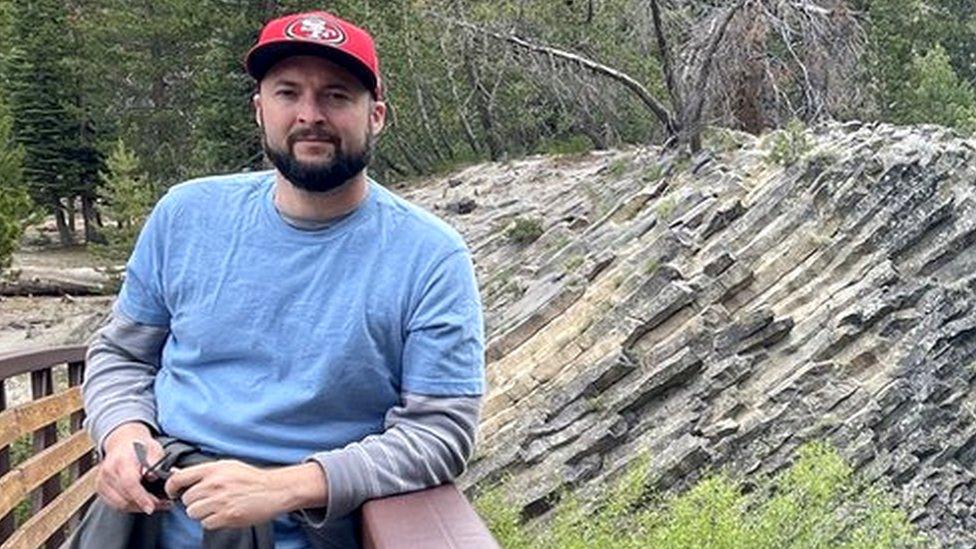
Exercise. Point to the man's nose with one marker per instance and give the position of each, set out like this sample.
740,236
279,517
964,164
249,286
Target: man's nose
311,111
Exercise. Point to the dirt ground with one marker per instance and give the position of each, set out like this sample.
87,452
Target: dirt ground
43,322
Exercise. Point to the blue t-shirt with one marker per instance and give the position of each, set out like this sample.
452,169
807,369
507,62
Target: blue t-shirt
285,342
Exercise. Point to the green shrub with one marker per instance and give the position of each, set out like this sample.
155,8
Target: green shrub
15,204
789,144
573,262
723,139
664,209
815,503
574,145
936,94
129,198
525,230
653,173
618,167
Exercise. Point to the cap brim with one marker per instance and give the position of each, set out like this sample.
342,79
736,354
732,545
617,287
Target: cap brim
260,60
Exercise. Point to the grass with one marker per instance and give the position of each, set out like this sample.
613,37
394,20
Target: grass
573,262
817,502
653,173
665,208
617,167
525,230
790,144
650,266
575,145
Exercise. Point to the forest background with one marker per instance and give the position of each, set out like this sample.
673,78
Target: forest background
106,103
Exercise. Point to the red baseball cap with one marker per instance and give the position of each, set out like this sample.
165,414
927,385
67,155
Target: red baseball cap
316,33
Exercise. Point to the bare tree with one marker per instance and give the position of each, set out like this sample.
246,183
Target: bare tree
749,64
681,121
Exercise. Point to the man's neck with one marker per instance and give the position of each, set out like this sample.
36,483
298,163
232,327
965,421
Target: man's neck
301,204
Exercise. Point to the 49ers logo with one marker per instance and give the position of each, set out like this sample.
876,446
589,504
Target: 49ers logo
317,29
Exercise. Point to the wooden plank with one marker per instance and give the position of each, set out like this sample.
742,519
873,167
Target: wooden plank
76,376
32,473
21,362
40,527
42,385
33,415
436,518
11,491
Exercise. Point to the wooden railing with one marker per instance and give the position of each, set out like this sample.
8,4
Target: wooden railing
437,517
440,517
55,478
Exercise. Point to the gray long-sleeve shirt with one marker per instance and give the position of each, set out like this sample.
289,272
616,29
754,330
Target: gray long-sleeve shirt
425,442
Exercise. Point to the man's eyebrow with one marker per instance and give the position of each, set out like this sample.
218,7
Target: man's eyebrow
291,83
331,86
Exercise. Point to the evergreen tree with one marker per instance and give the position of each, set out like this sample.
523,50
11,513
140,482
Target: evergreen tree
128,197
14,202
44,104
936,95
225,137
146,56
921,52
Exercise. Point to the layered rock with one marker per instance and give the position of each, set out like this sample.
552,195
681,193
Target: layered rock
721,312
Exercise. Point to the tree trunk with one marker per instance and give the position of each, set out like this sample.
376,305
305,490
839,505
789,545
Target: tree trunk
461,106
89,215
70,211
422,109
67,238
483,104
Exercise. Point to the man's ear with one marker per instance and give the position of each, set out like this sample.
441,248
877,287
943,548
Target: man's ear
377,116
256,101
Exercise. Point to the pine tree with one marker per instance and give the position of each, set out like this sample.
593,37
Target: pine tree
128,197
44,105
225,136
14,202
936,95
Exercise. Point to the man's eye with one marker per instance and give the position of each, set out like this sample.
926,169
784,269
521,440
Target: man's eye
285,93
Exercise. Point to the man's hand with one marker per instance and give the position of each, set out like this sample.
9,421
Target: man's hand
120,472
231,494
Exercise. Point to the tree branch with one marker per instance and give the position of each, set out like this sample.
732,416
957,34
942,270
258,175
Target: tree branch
666,60
706,67
659,110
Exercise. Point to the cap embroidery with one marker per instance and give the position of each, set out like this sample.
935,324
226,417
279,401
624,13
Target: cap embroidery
317,29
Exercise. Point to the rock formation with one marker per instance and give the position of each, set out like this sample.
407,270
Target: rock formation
719,313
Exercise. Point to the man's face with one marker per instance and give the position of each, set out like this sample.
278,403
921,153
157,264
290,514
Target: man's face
318,122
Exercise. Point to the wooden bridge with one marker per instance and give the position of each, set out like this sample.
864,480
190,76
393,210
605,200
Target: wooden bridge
53,481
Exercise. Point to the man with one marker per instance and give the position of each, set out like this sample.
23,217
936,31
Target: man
318,336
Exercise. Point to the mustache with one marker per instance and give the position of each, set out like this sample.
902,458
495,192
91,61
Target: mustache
311,134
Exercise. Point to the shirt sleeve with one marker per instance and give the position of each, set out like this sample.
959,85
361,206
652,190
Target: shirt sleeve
426,442
444,349
142,296
122,361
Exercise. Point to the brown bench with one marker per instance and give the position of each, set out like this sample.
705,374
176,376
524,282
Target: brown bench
438,517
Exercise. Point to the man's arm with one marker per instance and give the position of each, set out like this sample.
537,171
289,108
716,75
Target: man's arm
120,408
120,369
427,442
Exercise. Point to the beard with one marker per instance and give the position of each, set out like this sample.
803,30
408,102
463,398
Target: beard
319,177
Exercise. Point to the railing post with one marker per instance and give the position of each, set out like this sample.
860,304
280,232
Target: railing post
7,522
76,375
42,385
